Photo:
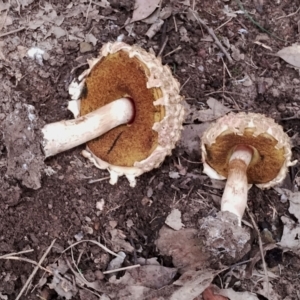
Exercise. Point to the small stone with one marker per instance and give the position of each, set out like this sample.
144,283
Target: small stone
281,107
85,47
99,275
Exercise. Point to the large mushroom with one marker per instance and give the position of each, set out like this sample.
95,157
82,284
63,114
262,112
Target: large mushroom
126,106
245,148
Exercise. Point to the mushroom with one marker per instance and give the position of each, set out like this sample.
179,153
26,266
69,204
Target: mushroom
121,71
126,106
245,148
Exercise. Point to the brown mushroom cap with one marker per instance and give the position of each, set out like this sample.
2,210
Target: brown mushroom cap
120,71
117,76
271,147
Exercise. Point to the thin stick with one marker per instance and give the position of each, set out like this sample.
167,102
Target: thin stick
83,280
211,32
185,83
27,260
88,10
11,32
171,52
221,92
99,179
224,24
35,270
16,253
163,46
121,269
93,242
290,15
261,253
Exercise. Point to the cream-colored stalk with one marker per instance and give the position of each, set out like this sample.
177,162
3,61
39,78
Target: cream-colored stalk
65,135
234,198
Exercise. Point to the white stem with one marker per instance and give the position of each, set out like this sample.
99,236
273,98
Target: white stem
234,198
65,135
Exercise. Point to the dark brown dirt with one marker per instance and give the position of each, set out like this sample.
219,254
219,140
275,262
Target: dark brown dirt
65,205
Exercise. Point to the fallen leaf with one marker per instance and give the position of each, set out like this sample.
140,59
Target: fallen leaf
118,241
153,276
291,55
263,291
183,246
294,201
290,237
216,111
209,294
233,295
190,141
174,219
166,12
143,9
5,20
193,283
153,17
149,276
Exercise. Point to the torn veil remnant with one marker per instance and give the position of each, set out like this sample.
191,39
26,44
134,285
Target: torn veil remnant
122,71
245,149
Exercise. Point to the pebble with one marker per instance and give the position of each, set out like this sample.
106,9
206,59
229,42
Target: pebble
281,107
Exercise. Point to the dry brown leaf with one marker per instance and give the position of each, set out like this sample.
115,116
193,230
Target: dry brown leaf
193,283
209,294
143,9
291,55
174,219
216,111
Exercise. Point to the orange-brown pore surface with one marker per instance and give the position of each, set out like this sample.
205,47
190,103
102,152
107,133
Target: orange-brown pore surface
266,161
114,77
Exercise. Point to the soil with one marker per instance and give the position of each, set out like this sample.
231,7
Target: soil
64,205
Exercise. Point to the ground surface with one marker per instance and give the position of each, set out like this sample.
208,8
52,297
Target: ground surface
65,204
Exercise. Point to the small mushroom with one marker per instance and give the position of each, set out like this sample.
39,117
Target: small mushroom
126,106
246,149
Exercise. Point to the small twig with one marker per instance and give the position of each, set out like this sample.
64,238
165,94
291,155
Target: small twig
16,253
290,15
27,260
11,32
223,24
99,179
192,162
5,17
225,92
171,52
185,83
35,270
175,24
261,252
211,32
81,279
93,242
88,10
121,269
163,46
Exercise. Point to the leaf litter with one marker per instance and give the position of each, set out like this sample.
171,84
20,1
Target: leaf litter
192,281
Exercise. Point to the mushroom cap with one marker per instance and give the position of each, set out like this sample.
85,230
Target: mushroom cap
271,148
119,71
